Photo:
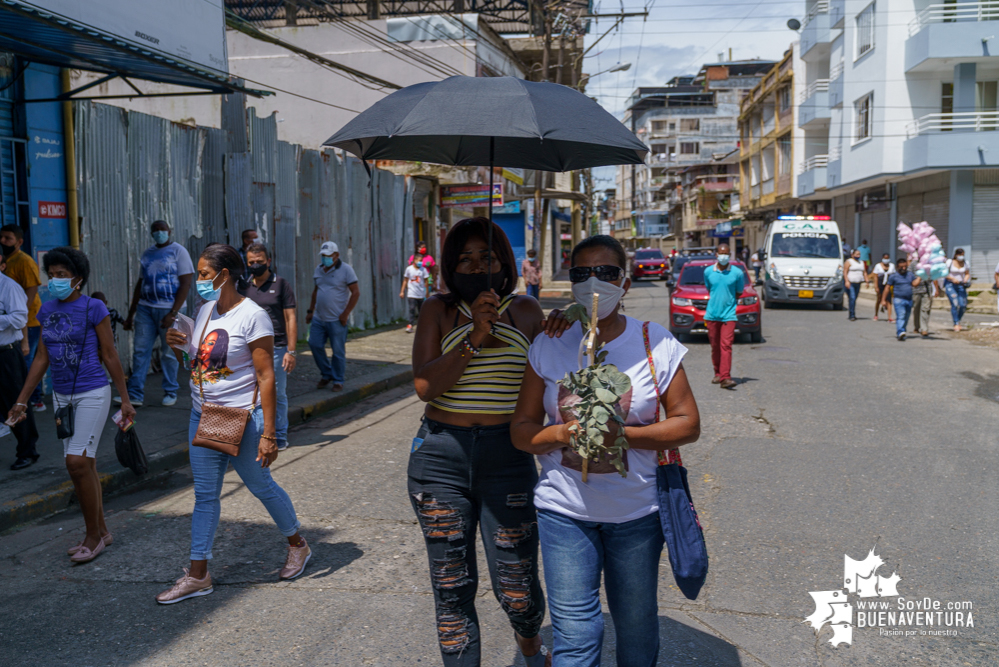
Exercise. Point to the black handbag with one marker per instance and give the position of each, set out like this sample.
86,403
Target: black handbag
129,451
65,417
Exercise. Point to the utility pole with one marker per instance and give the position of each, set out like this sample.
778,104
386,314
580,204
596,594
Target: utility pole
561,59
546,48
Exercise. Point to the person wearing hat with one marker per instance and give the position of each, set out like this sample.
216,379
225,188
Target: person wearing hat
333,298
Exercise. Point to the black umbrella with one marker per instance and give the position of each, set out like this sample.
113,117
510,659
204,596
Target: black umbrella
478,121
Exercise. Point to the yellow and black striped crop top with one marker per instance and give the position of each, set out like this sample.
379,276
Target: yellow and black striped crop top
492,379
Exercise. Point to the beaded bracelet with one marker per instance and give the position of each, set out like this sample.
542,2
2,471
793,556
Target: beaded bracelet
466,344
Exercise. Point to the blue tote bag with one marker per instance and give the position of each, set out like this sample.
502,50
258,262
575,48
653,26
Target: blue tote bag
688,554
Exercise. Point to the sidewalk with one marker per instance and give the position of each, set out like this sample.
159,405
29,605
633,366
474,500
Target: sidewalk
376,361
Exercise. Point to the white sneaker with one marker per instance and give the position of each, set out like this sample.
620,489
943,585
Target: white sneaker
135,404
169,400
38,407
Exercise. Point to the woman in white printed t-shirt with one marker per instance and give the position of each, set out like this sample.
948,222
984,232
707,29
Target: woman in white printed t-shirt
232,364
610,524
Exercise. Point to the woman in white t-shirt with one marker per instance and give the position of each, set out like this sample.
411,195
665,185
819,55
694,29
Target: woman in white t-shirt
854,274
414,289
955,286
232,355
881,271
610,524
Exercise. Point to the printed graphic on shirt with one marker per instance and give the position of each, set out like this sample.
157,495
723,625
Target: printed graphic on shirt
160,281
59,327
213,357
572,460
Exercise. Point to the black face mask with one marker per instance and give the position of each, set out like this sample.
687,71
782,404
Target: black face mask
469,286
8,250
258,270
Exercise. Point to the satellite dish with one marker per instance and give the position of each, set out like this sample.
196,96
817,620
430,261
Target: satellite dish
793,24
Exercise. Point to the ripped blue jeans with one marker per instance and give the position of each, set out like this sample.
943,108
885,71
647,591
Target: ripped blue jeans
464,480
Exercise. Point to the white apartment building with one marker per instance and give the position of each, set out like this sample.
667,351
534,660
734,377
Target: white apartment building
901,122
690,121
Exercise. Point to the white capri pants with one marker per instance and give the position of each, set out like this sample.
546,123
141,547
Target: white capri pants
91,414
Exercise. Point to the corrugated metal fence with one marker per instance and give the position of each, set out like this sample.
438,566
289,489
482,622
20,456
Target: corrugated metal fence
211,184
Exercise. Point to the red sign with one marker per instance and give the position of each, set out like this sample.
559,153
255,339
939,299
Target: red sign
51,209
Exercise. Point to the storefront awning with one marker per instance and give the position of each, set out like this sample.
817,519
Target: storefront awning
43,37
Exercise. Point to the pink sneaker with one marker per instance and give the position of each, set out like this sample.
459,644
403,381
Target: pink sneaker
294,564
186,587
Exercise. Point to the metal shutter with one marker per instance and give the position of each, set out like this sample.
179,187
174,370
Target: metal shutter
875,226
936,211
985,232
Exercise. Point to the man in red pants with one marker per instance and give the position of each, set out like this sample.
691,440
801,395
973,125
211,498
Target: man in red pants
724,283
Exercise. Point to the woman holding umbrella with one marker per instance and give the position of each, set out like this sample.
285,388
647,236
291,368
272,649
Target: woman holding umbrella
469,357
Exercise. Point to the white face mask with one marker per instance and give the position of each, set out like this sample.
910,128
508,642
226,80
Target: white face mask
610,296
723,259
885,262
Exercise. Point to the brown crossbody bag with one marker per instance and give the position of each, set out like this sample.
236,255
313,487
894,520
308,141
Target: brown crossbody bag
220,428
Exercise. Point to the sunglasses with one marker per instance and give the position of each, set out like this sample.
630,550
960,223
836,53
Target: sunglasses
608,273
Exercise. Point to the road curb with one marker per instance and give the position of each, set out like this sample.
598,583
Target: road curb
35,506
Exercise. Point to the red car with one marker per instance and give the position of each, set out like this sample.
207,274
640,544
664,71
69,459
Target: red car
689,300
649,264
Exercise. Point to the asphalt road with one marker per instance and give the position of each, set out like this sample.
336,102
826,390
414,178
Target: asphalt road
837,439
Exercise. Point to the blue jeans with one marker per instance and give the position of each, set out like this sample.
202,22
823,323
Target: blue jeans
34,334
574,554
903,308
852,293
958,296
534,290
336,333
208,468
147,329
281,389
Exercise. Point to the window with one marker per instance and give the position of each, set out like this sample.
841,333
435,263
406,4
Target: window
784,151
658,149
946,105
658,126
690,148
985,96
690,124
784,99
865,30
672,127
864,112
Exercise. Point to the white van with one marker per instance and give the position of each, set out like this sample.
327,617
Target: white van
803,261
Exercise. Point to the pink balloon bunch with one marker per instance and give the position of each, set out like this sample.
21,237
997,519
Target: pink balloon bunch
921,242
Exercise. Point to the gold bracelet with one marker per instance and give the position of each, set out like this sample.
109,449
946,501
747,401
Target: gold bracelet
267,437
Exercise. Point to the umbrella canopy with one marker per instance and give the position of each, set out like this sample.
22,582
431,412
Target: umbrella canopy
479,121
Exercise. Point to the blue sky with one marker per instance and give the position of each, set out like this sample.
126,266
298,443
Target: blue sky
678,37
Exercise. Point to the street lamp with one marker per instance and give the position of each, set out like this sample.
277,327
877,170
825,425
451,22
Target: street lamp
620,67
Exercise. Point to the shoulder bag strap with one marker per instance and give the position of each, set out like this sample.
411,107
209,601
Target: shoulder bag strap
670,455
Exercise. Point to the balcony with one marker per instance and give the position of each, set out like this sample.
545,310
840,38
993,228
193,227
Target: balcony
815,32
812,175
814,104
834,167
836,85
952,141
943,34
837,10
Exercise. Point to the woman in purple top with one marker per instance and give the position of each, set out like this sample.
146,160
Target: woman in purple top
76,339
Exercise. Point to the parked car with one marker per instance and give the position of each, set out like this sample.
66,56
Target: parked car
649,263
689,300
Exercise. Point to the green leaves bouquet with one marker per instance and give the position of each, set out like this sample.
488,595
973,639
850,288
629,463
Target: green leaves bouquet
592,396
